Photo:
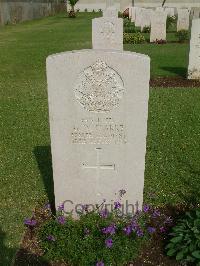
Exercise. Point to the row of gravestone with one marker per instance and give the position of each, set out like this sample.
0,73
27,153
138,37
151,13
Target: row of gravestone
98,109
142,16
157,19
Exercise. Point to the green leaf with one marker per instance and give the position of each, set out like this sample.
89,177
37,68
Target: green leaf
198,213
171,252
190,259
170,245
180,255
197,222
196,254
192,247
176,239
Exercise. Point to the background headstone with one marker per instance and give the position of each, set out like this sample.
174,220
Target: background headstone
158,26
196,12
183,22
170,11
138,17
132,14
107,33
146,18
111,10
194,56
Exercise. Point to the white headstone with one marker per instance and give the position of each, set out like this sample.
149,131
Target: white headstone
158,26
146,18
138,16
170,11
183,22
160,8
132,14
111,10
110,3
196,12
107,33
194,57
98,120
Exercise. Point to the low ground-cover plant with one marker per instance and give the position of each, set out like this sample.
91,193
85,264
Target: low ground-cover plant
182,35
146,29
134,38
184,243
98,237
129,27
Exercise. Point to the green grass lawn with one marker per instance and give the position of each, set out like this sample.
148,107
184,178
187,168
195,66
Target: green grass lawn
172,165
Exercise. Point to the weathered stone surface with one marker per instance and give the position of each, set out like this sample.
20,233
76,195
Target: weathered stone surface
194,57
107,33
146,18
158,26
170,11
183,22
110,12
138,16
195,12
132,13
98,108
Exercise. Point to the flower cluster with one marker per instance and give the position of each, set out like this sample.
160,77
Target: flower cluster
106,228
111,229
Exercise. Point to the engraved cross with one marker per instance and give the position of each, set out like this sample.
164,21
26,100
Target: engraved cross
98,165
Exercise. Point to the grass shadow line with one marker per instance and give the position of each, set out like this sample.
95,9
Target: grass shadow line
44,161
180,71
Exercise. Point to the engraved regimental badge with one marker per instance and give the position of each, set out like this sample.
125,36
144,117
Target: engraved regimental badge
99,88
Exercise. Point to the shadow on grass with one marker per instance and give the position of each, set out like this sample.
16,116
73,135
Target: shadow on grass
6,254
24,257
192,184
180,71
43,157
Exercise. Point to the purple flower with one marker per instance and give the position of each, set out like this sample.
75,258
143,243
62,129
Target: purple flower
104,213
162,229
61,207
109,242
151,230
117,205
100,263
30,222
134,225
51,238
146,208
139,232
156,213
47,206
127,230
109,230
61,219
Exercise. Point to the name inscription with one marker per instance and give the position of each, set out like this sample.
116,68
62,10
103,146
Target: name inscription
98,131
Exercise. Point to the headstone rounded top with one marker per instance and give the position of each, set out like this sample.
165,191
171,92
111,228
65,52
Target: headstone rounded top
99,88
